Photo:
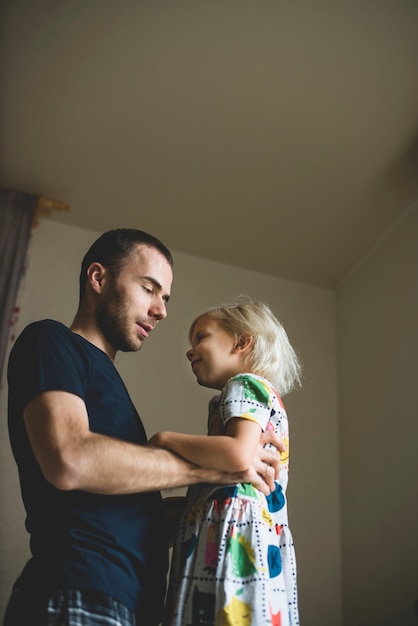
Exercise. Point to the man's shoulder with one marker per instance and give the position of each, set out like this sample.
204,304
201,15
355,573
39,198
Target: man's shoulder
46,323
40,328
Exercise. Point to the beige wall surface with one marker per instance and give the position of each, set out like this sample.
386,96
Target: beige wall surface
165,392
377,315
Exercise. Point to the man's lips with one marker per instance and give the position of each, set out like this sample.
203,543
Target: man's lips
144,329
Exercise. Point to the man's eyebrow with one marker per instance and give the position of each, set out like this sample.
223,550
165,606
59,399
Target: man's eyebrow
158,286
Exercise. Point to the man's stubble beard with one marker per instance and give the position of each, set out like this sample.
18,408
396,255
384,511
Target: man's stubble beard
112,320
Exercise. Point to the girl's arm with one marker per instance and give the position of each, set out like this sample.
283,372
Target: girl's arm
232,452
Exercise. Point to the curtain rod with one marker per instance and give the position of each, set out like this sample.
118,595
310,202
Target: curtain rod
45,207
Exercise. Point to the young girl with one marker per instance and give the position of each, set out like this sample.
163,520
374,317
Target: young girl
233,560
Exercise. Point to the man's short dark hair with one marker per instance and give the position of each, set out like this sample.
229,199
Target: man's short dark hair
114,246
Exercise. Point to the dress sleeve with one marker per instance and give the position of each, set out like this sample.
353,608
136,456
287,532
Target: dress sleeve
248,397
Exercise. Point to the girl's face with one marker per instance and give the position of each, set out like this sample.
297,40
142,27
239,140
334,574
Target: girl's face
215,355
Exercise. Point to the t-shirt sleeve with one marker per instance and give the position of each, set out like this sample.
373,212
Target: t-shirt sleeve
247,397
44,358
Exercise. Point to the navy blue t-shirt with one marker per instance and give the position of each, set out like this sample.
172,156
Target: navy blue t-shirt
111,544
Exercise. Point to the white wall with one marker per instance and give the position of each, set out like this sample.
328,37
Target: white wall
166,394
378,409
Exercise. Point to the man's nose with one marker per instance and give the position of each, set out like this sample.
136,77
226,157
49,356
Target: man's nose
189,354
159,309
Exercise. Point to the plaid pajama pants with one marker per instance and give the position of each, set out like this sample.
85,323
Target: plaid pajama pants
67,607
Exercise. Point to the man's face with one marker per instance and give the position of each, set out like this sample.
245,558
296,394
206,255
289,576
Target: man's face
134,300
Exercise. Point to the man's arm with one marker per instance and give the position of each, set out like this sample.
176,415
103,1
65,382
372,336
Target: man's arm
73,457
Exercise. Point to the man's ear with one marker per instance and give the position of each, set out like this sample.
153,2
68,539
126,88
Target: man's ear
95,276
243,343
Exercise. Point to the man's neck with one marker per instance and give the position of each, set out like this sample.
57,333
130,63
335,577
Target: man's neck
91,333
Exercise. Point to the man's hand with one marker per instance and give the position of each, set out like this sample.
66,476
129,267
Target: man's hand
266,465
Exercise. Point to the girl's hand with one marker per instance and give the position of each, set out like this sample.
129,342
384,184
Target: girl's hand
153,441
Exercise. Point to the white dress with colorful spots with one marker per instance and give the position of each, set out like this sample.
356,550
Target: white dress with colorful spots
234,561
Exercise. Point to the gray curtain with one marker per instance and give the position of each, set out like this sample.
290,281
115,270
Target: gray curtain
17,210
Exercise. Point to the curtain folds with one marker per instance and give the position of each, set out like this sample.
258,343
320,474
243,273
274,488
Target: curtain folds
17,212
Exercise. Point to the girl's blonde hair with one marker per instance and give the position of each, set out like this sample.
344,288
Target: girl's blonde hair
271,355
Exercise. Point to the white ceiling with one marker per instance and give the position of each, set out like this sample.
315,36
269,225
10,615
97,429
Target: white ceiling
280,136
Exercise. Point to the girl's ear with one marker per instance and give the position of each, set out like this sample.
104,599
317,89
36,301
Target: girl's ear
243,343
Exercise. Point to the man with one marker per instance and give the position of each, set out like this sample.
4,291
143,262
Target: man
89,483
